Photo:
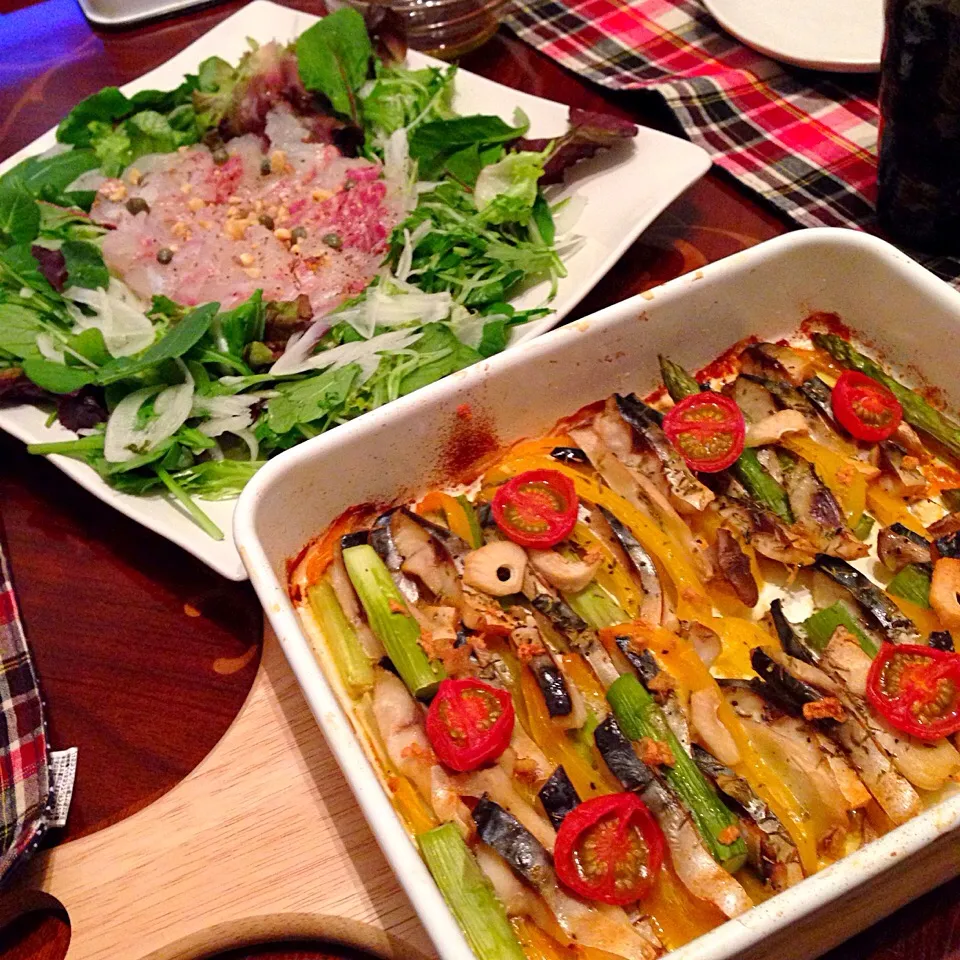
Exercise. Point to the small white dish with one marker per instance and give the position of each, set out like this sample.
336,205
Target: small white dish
624,189
845,36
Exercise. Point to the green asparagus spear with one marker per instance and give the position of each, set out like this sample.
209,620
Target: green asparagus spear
596,606
912,583
470,894
761,486
916,411
391,621
748,469
639,716
820,627
678,382
352,663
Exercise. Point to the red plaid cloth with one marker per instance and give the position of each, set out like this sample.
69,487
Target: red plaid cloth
25,787
804,141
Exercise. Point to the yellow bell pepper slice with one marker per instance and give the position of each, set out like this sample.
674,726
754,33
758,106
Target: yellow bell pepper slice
680,660
455,513
888,508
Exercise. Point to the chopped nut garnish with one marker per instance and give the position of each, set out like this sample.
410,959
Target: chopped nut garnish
117,193
910,463
234,200
395,607
827,707
525,769
235,229
319,195
729,834
181,230
186,188
655,753
205,224
282,233
135,176
246,259
278,161
252,272
195,204
661,683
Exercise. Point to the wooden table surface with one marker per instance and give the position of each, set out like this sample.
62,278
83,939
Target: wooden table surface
145,655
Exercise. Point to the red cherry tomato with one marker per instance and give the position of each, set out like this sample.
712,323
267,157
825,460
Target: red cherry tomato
469,723
708,431
537,508
864,407
917,689
609,849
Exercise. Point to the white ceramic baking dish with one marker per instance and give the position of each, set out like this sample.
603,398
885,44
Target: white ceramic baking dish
887,299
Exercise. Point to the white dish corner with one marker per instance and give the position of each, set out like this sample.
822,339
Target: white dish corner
622,200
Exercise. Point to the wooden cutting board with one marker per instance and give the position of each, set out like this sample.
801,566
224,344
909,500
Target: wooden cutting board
263,841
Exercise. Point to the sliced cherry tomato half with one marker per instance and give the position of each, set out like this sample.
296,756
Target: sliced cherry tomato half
865,407
469,723
917,689
708,431
609,849
537,508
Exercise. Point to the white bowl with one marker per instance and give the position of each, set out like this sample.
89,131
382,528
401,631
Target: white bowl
886,298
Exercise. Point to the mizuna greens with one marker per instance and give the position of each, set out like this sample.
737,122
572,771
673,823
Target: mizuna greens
716,682
171,394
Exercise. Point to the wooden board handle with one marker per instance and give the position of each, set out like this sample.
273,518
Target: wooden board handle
262,841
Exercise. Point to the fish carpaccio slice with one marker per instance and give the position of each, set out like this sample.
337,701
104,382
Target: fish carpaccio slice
282,215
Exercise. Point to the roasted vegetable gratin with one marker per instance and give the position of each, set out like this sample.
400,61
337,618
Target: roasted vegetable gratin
652,669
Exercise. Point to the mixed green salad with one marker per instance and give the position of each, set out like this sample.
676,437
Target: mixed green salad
169,393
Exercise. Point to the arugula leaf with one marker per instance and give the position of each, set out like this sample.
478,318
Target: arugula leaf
143,133
506,191
218,479
19,326
106,105
19,268
432,143
241,325
437,338
310,399
67,223
89,343
48,177
333,57
85,266
164,101
464,165
543,218
401,97
55,377
177,341
19,214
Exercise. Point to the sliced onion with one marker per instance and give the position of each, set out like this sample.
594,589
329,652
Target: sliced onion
117,314
124,440
48,348
300,346
410,241
366,353
397,169
566,217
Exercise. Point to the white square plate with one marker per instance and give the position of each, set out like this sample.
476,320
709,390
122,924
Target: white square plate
888,300
625,189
